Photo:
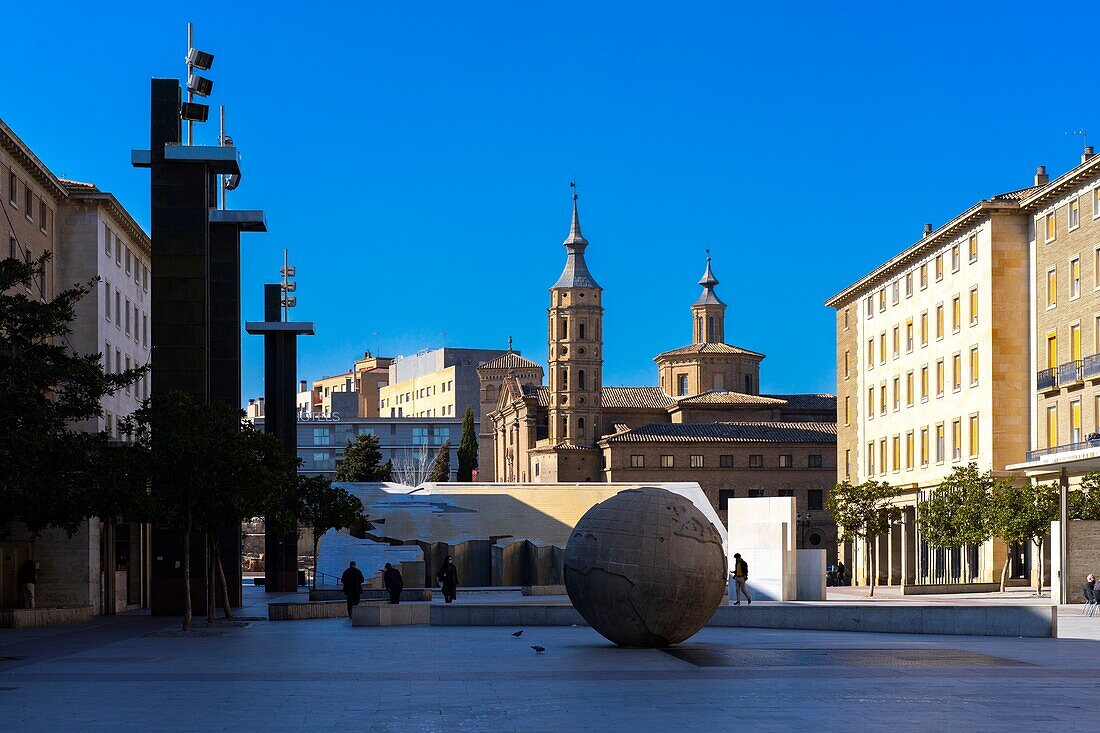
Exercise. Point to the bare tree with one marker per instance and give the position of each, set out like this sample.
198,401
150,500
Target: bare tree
414,466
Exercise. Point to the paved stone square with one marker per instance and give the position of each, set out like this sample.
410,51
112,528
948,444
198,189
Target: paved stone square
324,675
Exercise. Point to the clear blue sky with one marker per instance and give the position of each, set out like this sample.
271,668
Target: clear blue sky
415,157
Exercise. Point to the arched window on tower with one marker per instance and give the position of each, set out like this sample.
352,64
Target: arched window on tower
748,384
564,333
564,427
710,328
581,329
564,379
699,328
580,427
580,378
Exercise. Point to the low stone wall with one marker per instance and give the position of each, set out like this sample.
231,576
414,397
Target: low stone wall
910,618
543,590
302,610
518,615
386,614
25,618
948,588
408,595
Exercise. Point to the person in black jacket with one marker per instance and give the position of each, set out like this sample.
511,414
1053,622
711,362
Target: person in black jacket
1090,588
391,578
352,580
448,580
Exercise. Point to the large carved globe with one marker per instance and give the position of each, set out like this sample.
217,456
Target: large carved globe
645,568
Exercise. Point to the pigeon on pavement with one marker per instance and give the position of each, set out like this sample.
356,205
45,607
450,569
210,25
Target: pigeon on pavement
517,634
539,649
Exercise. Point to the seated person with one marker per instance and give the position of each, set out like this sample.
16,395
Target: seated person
1090,588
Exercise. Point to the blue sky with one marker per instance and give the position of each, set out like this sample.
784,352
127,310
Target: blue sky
415,158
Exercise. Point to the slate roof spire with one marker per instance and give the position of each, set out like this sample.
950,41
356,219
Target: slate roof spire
575,274
708,281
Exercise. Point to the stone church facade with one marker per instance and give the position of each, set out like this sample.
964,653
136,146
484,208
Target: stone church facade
705,422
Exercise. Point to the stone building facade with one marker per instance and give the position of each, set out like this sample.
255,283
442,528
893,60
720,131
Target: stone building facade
706,421
931,376
89,234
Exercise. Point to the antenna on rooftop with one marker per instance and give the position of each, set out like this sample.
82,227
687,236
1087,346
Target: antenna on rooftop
1084,135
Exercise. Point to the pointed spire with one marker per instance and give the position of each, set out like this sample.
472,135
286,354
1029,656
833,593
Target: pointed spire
509,344
708,281
575,236
575,274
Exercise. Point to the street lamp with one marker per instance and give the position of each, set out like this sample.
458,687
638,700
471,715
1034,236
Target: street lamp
191,110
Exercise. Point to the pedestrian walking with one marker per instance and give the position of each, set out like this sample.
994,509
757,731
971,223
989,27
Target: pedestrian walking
352,580
391,578
740,577
840,570
448,579
26,577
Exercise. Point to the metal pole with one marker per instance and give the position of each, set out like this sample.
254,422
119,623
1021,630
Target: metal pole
1063,529
221,143
190,94
286,293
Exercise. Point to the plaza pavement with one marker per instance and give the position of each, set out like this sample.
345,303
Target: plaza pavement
324,675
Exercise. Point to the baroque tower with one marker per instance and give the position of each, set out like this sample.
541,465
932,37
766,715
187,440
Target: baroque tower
709,312
575,347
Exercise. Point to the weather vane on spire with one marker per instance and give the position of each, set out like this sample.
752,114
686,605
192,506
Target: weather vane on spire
573,185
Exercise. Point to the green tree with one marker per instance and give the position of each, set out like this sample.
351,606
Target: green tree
467,447
1085,503
361,462
956,513
1023,514
208,472
441,466
322,506
863,512
260,478
46,388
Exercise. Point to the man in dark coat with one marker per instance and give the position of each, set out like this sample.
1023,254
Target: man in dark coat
352,580
448,580
391,578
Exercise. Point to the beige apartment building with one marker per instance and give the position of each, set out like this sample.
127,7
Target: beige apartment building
932,375
90,234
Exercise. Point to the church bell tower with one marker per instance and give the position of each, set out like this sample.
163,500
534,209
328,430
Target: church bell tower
576,347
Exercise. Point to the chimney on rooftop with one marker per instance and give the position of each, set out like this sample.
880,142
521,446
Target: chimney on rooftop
302,386
927,229
1087,154
1041,177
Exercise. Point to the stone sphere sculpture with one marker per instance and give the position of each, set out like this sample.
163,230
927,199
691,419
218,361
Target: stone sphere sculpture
645,568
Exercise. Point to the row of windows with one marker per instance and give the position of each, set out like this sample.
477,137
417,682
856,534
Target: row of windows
878,398
340,434
415,394
877,301
125,315
1076,434
1073,215
815,498
115,362
930,440
785,460
912,329
1074,279
15,251
45,216
140,273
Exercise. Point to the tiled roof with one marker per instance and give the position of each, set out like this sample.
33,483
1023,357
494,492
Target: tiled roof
715,397
537,390
571,446
652,398
807,401
510,360
78,185
1016,195
730,432
621,427
708,349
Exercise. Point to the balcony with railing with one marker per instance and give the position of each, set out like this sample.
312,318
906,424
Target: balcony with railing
1090,442
1070,373
1046,380
1090,366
